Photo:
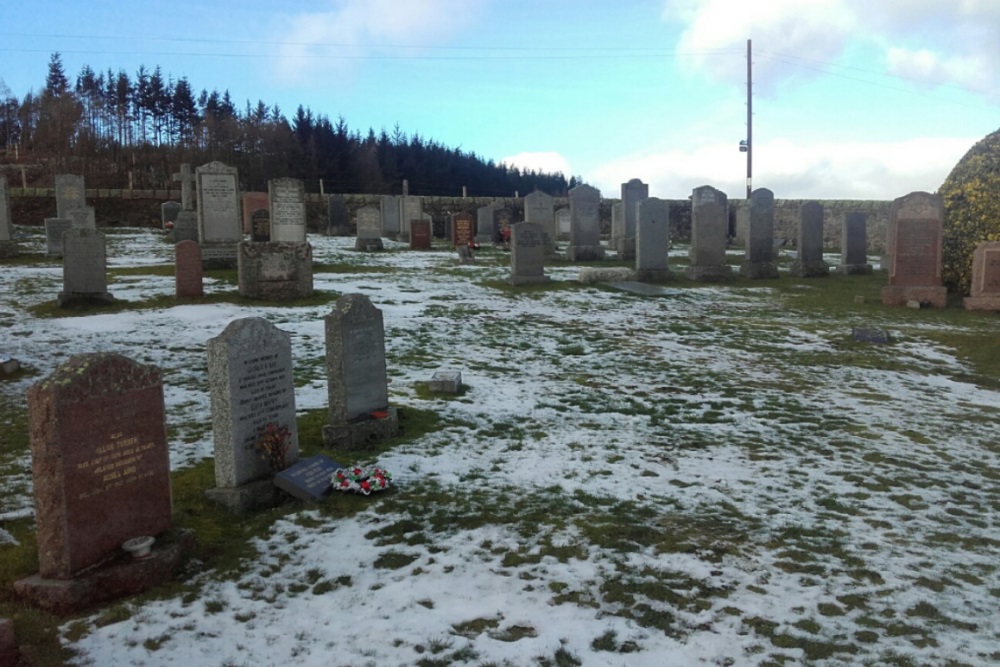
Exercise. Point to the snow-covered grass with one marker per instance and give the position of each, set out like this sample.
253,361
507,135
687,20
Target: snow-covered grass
719,475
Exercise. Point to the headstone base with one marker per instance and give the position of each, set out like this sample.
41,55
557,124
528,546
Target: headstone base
250,497
801,269
528,280
758,270
654,275
853,269
9,249
899,295
74,299
626,248
361,434
585,253
982,302
215,255
368,245
709,274
338,230
125,576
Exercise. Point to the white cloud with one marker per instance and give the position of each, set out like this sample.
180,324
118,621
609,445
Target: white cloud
546,161
792,170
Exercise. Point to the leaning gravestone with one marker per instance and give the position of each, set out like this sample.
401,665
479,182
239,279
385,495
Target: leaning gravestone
54,230
275,271
339,223
462,229
260,226
984,293
288,210
539,207
8,247
915,252
527,254
188,276
369,230
585,225
759,259
169,210
252,202
486,232
85,268
186,227
359,411
854,245
219,228
709,236
252,392
390,210
652,240
809,262
101,471
70,194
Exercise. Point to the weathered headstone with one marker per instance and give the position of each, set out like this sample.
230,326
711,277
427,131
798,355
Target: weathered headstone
54,230
486,232
188,276
563,223
288,210
85,268
854,245
252,202
809,262
633,192
70,194
260,226
310,478
915,252
169,210
462,229
652,240
539,207
252,393
412,209
585,225
527,254
984,293
369,230
219,226
339,223
420,235
186,227
275,271
759,259
101,471
8,246
391,210
709,236
357,383
83,218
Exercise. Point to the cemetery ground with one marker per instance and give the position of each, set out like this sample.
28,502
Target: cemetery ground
719,475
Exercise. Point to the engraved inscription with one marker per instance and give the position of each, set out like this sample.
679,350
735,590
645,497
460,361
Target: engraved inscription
262,385
115,465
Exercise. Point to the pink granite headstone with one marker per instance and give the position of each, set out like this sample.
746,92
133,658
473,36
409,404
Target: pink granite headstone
188,273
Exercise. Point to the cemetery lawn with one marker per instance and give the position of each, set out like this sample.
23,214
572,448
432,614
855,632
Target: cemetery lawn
719,475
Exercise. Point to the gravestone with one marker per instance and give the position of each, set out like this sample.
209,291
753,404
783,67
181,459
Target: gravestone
390,209
412,209
652,240
869,335
251,389
252,202
54,230
83,218
260,226
563,223
101,475
188,278
8,246
759,260
462,229
984,293
539,207
486,232
169,210
617,222
219,225
187,181
287,197
70,194
709,236
85,268
275,271
359,412
854,245
339,223
527,254
633,192
809,262
420,235
503,218
369,230
585,225
914,250
445,382
186,227
309,479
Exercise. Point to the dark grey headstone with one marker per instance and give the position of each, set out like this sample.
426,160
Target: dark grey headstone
652,239
260,226
633,192
186,227
486,231
759,260
309,479
169,210
854,245
70,194
83,218
527,254
85,266
6,226
339,223
355,360
809,262
390,210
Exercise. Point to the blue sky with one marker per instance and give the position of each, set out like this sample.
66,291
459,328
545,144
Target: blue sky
853,99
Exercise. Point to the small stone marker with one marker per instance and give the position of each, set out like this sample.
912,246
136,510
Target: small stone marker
169,210
339,217
252,202
309,479
585,225
866,335
854,245
527,254
251,386
462,229
85,268
445,382
54,230
420,235
466,255
70,195
915,252
9,365
188,275
984,293
288,210
260,226
8,247
275,271
652,240
219,225
809,261
369,230
759,259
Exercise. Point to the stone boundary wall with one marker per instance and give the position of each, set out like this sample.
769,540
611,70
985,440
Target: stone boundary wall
141,208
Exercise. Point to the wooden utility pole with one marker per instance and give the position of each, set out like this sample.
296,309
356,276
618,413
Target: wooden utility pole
749,120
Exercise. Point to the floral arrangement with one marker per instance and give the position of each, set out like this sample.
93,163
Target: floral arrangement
360,480
272,443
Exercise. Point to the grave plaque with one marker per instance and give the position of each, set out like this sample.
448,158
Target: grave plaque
260,226
652,240
984,293
85,267
420,235
915,252
70,195
585,225
809,262
288,210
99,460
188,277
54,230
462,229
759,259
310,478
854,245
254,201
527,254
339,223
867,335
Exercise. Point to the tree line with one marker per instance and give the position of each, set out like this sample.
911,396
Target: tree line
120,130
